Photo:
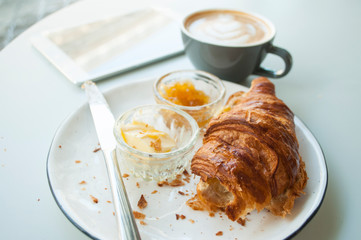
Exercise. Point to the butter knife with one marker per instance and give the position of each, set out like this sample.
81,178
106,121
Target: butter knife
104,122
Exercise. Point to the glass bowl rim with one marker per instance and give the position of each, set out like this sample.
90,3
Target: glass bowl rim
190,108
158,156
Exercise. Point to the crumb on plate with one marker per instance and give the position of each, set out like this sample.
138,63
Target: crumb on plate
138,215
177,217
174,183
95,200
241,221
142,203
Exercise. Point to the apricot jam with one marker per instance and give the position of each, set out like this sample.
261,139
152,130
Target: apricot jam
185,94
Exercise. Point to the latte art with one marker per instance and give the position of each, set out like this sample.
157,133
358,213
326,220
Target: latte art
227,27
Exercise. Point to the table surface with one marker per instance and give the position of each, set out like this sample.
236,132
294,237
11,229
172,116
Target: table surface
323,89
17,15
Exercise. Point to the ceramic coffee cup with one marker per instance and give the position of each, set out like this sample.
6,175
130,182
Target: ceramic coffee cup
231,44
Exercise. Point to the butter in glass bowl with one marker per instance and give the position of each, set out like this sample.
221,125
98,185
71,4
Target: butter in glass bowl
155,142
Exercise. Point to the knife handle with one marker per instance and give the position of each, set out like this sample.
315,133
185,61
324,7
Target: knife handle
124,215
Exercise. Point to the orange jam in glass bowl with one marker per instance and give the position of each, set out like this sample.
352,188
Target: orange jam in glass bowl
198,93
185,94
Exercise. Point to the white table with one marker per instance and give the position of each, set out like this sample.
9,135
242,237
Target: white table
323,89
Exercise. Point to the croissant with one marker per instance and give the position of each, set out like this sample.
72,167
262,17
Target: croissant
249,158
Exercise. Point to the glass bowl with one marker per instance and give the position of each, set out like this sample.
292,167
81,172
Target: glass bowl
157,165
202,81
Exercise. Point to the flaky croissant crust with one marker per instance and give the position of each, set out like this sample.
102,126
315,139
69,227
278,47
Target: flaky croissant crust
249,158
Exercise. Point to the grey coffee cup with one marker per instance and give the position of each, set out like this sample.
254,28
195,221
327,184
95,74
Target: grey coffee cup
233,61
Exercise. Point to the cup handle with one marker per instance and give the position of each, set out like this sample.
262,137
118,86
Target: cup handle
282,53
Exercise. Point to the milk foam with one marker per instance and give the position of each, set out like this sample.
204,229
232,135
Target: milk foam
227,27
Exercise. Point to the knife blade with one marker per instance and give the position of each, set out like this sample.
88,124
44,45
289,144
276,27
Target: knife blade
104,122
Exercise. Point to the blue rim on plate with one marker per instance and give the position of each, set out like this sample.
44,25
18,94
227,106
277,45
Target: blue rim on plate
55,198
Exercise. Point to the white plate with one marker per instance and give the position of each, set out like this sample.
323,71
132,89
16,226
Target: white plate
76,139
